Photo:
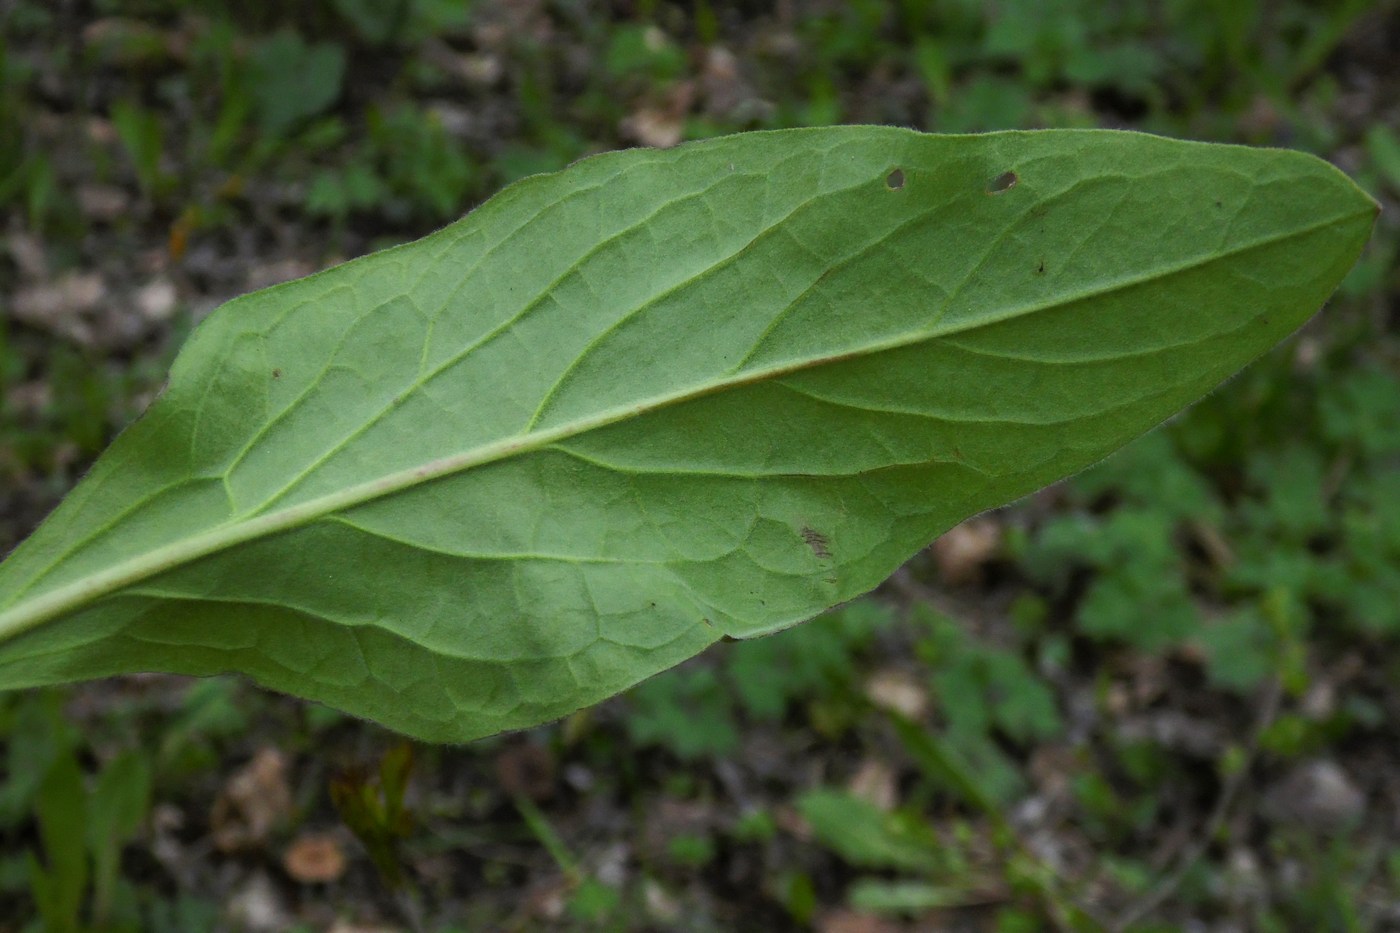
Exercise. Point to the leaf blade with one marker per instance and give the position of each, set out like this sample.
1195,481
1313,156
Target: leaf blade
480,480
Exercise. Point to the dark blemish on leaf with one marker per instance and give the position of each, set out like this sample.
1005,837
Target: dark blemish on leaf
1003,182
818,542
1219,204
706,621
277,374
1040,269
895,180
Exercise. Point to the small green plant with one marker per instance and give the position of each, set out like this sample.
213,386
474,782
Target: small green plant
293,80
621,411
992,696
374,809
941,866
73,872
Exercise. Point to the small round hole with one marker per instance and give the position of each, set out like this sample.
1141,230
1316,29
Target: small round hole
1003,182
895,180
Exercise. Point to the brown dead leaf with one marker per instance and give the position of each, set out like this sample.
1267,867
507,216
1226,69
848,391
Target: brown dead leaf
721,85
964,550
101,131
874,781
526,769
844,920
315,858
255,801
652,126
661,125
898,690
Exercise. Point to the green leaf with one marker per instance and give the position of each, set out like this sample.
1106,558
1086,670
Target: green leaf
59,885
913,897
863,835
293,80
116,808
478,481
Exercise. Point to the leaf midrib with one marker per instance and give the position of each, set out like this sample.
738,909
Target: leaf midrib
26,616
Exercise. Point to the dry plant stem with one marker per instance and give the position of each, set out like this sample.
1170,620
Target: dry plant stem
1268,710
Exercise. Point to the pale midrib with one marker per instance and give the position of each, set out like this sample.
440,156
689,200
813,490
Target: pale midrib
26,616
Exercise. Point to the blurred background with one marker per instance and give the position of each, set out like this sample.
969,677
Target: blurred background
1160,696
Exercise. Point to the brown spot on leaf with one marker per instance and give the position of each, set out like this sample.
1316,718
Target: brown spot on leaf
1003,182
818,542
277,374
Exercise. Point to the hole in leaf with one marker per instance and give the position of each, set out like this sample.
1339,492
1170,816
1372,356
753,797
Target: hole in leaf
895,180
1003,182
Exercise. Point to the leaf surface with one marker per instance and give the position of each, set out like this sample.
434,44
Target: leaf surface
478,481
